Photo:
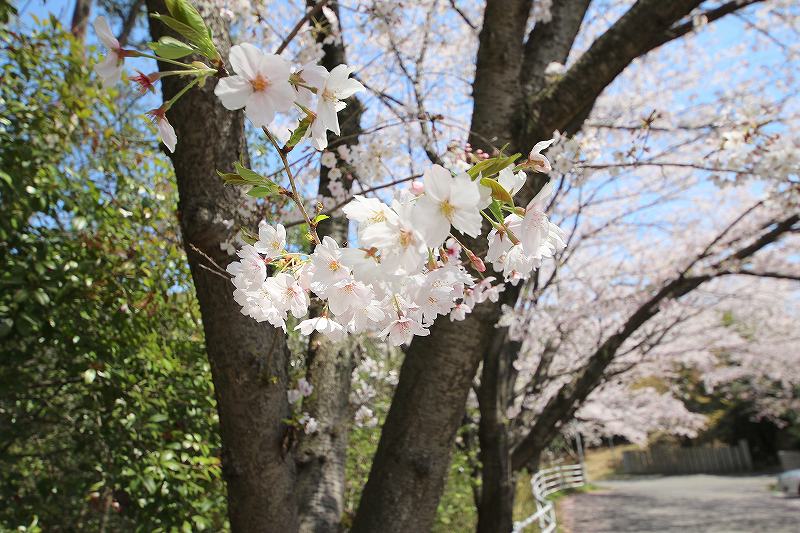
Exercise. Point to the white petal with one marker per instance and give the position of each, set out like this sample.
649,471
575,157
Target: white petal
542,196
104,33
260,109
110,69
282,94
167,134
233,91
464,193
430,222
437,181
274,68
468,222
541,145
245,59
327,115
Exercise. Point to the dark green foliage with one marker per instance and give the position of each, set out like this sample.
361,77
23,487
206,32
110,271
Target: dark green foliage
107,418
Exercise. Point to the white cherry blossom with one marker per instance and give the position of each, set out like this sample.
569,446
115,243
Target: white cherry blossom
110,69
447,201
271,241
261,84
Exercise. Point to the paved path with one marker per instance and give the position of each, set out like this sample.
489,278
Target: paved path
698,503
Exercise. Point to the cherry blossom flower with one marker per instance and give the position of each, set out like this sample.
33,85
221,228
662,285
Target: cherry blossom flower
402,247
447,201
293,395
305,387
328,267
536,160
332,90
261,84
165,130
331,329
346,294
271,241
251,269
368,211
364,417
110,69
288,295
402,330
539,236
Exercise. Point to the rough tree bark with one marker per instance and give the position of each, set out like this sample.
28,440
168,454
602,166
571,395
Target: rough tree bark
546,43
321,457
248,360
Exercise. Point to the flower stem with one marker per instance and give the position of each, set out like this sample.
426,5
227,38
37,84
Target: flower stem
169,103
171,61
295,195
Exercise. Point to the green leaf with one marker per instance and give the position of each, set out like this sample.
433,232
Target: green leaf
297,135
250,175
199,39
41,297
320,218
186,13
248,236
233,179
498,192
490,167
149,484
171,48
495,208
262,191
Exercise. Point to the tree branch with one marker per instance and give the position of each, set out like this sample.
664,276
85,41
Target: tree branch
561,406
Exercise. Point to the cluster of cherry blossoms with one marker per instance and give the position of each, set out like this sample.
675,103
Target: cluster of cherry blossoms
262,84
407,267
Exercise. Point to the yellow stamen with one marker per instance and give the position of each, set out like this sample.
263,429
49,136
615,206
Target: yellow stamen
447,209
259,83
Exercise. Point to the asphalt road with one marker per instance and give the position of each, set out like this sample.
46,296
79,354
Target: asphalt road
697,503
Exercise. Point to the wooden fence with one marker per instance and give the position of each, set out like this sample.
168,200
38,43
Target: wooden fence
698,460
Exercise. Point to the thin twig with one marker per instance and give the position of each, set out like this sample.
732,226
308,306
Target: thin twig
312,228
208,258
313,12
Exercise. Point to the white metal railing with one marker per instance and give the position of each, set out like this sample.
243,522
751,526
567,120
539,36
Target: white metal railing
543,484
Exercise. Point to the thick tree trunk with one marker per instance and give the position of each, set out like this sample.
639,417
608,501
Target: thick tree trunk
498,483
248,359
410,466
321,457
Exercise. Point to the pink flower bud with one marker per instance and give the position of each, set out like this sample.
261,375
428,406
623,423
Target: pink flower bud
476,261
417,188
146,82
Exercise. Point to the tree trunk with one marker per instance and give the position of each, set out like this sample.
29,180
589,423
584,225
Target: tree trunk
80,18
321,457
410,466
248,360
498,483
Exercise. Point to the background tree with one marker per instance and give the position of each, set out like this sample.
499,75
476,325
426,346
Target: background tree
106,412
